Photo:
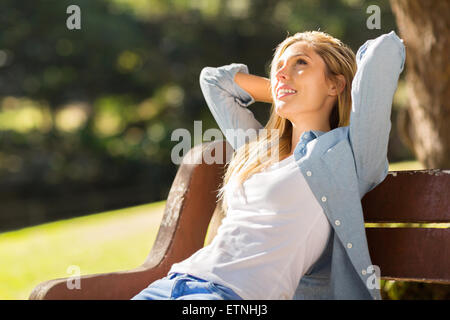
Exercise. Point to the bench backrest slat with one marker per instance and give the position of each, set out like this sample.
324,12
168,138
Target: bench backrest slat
421,196
417,254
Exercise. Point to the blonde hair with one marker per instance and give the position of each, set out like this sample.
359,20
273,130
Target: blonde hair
339,60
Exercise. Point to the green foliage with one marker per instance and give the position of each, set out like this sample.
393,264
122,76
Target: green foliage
400,290
86,115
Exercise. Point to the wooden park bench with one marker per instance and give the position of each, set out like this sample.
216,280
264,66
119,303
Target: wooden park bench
402,253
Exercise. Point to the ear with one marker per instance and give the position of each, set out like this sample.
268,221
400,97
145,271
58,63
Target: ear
337,86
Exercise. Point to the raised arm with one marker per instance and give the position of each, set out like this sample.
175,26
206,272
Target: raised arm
258,87
380,62
228,102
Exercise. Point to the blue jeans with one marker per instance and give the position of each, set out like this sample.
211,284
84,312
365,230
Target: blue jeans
178,286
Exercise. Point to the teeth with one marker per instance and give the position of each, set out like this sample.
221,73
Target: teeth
283,91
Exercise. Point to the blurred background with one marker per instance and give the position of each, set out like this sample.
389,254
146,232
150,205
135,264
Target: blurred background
86,115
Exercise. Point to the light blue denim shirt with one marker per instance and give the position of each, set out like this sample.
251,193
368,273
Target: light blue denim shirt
341,165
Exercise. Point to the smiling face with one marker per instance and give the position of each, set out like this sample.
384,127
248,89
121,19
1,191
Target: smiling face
299,84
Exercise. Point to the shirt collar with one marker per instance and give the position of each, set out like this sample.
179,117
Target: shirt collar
311,134
306,137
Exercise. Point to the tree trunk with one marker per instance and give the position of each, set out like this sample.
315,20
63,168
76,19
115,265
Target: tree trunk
425,125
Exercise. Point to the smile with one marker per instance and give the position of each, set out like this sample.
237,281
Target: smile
285,92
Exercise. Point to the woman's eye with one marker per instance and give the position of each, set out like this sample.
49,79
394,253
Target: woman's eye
299,61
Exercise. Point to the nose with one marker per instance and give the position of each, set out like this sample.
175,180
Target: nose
281,74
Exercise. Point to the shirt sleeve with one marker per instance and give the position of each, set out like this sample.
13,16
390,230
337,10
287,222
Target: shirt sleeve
379,64
228,103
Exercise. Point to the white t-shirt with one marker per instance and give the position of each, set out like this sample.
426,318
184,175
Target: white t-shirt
273,232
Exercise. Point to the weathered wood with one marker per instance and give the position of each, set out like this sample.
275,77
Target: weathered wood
410,196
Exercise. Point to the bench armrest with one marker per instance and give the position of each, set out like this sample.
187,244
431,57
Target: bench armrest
106,286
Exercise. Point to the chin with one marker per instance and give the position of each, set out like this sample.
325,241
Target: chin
280,110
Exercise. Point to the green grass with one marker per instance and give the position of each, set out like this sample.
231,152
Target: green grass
406,165
105,242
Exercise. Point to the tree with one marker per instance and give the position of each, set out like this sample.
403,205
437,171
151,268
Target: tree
424,125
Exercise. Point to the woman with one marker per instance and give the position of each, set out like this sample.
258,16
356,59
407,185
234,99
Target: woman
294,226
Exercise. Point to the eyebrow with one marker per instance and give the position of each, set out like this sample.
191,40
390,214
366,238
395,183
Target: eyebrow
293,56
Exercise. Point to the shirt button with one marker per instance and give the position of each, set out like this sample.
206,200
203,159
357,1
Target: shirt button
349,245
363,272
308,173
337,222
324,199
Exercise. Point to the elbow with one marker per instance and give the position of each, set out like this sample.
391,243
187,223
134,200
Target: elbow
208,76
207,73
387,50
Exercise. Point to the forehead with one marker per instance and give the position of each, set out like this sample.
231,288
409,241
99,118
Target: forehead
299,47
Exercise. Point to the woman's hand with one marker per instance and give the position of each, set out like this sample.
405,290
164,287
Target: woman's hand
258,87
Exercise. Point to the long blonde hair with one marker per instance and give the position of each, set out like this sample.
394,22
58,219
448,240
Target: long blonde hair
339,60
